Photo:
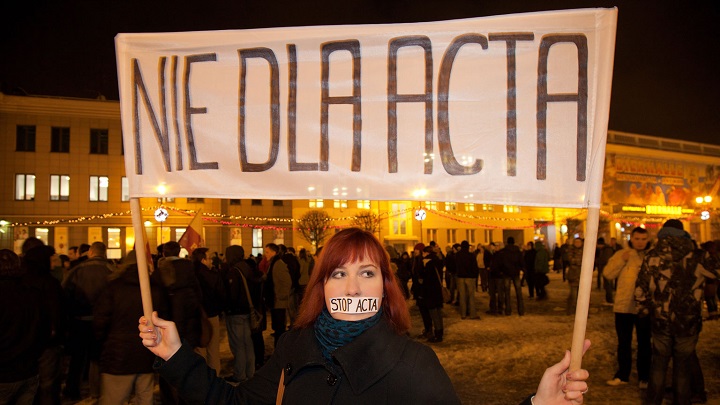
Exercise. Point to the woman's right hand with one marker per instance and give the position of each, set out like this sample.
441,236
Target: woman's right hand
161,338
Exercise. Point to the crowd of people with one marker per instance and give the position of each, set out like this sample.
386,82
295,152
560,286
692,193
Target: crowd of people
79,314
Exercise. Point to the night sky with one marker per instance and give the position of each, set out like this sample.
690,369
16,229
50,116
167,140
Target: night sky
667,65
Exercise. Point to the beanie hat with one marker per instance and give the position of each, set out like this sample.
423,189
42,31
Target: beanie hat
673,223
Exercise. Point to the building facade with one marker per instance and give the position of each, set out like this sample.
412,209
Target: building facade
63,181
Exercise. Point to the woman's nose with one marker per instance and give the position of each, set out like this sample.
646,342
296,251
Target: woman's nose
353,287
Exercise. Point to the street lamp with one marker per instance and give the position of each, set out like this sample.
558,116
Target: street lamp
704,203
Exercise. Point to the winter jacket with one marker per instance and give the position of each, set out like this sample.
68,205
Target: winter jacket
429,276
508,262
278,284
670,285
212,287
602,255
626,273
542,259
184,296
574,261
306,268
237,300
84,284
378,367
466,264
529,260
115,322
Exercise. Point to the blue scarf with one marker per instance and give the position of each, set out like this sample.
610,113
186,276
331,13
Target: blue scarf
332,333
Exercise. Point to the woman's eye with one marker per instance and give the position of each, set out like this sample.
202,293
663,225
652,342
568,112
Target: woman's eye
368,273
337,274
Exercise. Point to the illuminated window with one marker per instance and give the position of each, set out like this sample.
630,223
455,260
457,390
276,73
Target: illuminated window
339,203
257,241
511,209
398,223
450,206
469,207
451,236
99,188
363,204
488,207
43,234
125,189
113,245
470,236
25,187
431,205
316,203
59,187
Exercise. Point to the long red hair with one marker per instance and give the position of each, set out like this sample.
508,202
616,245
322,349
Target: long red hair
348,246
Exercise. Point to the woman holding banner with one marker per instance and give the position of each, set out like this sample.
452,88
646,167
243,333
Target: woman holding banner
349,345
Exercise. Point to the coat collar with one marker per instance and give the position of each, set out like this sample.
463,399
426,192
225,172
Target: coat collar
379,343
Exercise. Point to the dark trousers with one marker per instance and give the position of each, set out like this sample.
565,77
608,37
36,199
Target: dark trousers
50,377
515,282
624,324
425,315
679,349
530,280
497,295
83,349
278,322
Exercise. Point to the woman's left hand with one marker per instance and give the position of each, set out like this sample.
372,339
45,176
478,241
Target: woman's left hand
559,386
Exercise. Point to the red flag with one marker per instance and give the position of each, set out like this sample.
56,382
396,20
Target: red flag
193,236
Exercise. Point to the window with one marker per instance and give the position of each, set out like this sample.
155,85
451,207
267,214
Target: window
488,207
278,203
196,200
25,138
339,203
113,246
451,236
432,234
257,241
125,189
59,187
99,141
25,187
99,188
235,201
398,223
511,208
163,200
431,205
316,203
256,202
469,207
450,206
60,139
470,236
43,234
363,204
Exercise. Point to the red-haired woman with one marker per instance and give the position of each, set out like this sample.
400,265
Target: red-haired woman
349,345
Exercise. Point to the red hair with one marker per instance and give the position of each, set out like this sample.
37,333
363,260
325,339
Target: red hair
349,246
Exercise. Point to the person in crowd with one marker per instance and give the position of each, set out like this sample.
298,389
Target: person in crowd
565,249
35,265
711,263
467,273
125,367
419,290
26,330
451,273
307,262
81,253
496,286
290,258
318,361
83,287
574,265
557,259
213,302
278,286
482,270
430,277
603,253
404,273
669,290
508,261
616,247
237,275
177,276
529,268
624,267
542,268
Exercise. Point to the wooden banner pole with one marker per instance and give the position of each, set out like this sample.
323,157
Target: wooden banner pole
141,255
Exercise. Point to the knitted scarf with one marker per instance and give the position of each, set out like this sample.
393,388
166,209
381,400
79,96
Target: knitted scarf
332,333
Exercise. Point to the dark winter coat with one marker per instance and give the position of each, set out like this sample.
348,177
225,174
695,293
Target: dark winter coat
213,289
237,300
378,367
184,296
466,264
529,259
429,277
508,261
670,284
115,323
84,284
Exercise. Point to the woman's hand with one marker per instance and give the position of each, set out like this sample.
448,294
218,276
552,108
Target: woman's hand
162,339
559,386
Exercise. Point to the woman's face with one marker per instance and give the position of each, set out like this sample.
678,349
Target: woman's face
354,291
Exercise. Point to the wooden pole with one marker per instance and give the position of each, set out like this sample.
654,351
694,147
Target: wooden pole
141,255
586,279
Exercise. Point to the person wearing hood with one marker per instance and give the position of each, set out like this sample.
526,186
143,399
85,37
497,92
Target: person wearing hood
669,290
236,274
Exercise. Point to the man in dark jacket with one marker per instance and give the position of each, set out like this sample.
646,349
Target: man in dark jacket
669,290
83,286
125,364
467,273
509,261
430,277
277,289
213,296
451,272
236,275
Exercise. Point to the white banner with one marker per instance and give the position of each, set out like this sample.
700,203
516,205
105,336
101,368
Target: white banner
506,110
